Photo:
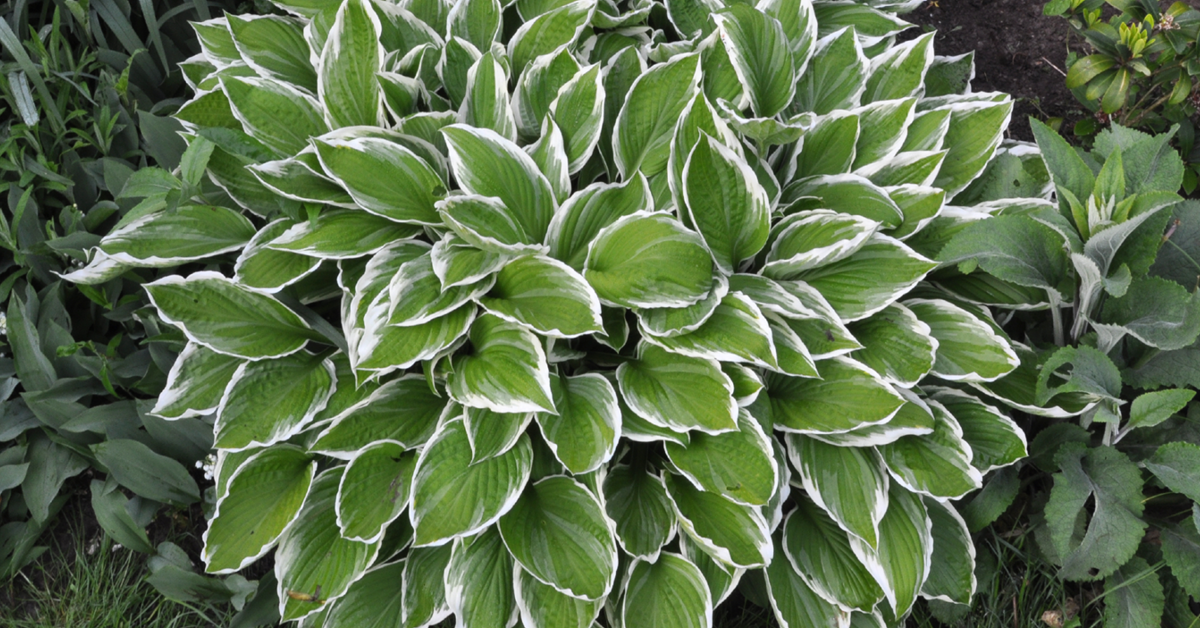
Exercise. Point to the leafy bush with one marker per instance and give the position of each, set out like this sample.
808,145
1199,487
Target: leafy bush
79,119
681,243
1143,68
1136,320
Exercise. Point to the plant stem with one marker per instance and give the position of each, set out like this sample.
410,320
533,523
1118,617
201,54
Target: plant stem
1056,317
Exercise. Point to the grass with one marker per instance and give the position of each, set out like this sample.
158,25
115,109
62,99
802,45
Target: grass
83,582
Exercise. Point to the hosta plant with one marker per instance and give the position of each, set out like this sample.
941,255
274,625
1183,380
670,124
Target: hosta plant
1116,498
565,313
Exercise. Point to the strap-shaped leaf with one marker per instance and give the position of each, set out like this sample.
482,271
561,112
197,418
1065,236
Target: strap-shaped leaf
821,553
373,419
738,465
671,577
812,239
762,57
341,234
902,562
505,372
487,164
725,202
848,396
732,534
578,110
995,439
453,498
266,493
219,314
543,606
374,490
384,177
173,237
678,392
836,75
351,56
648,260
848,482
268,401
478,580
642,134
558,532
549,31
937,464
546,295
896,344
584,214
584,433
968,349
795,603
485,104
313,554
871,278
952,566
196,383
637,502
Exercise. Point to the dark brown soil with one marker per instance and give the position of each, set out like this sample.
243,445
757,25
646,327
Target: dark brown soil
1017,50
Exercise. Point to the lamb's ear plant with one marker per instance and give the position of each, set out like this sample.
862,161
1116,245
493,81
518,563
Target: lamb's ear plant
1102,282
560,311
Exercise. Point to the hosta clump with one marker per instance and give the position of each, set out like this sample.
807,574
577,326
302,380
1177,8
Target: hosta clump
1115,496
567,311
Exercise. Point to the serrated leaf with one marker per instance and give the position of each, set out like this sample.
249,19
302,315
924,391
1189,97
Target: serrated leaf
1115,527
453,498
1177,465
557,531
1135,599
219,314
265,495
1013,248
1092,374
